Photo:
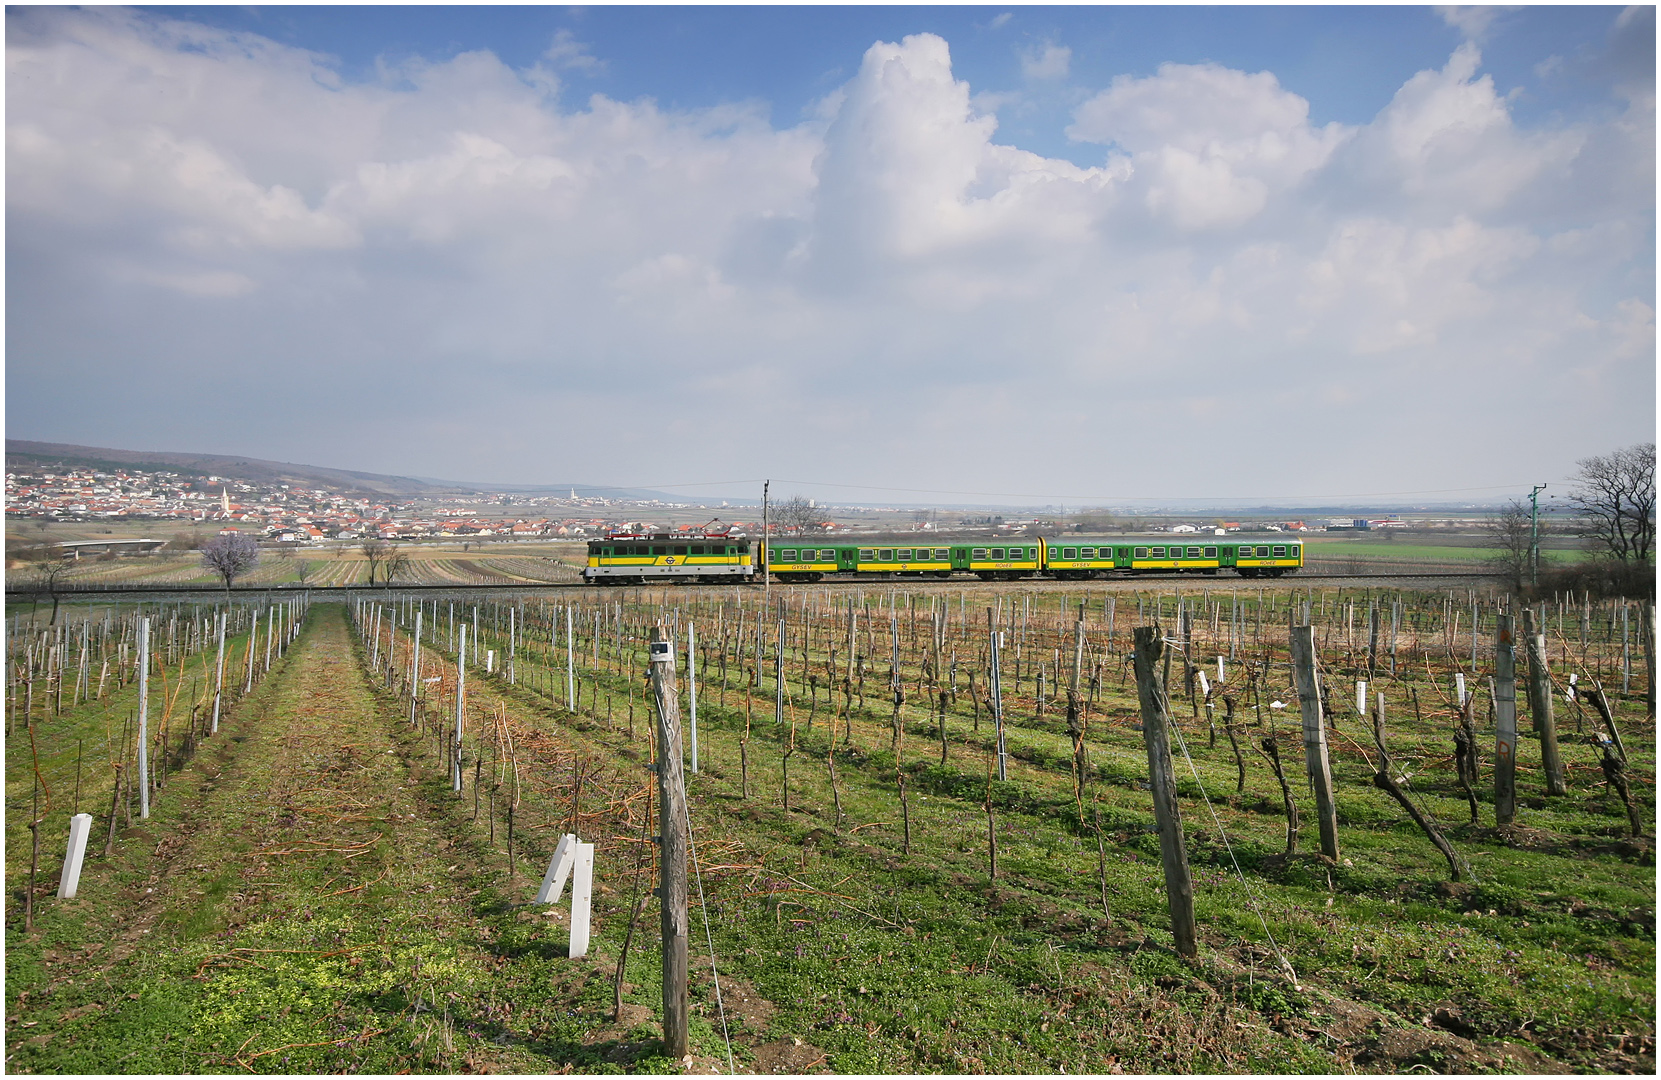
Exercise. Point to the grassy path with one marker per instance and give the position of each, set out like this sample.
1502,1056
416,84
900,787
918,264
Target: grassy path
307,901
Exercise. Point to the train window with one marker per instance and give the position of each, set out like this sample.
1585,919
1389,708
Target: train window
981,554
786,555
1069,553
1280,551
696,549
1211,553
660,549
1193,553
1087,553
1159,553
942,554
867,555
1292,551
680,549
998,554
1141,553
905,555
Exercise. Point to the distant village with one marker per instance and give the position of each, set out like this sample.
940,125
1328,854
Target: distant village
278,512
286,513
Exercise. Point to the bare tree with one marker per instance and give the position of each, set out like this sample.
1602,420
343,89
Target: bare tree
395,563
1615,497
230,555
46,574
1510,534
375,550
797,514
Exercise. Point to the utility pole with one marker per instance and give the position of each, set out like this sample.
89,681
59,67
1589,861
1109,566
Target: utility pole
766,552
1534,534
672,844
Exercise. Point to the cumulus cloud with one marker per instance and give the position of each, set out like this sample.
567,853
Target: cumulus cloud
453,270
1208,145
1474,21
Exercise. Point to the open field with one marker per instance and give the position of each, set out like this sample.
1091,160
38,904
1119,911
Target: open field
476,562
457,563
309,895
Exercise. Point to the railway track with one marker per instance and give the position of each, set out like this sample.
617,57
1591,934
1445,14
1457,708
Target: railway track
139,590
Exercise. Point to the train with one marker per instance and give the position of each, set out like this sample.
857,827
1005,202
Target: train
728,558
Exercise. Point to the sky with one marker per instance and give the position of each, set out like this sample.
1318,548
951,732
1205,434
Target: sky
1086,255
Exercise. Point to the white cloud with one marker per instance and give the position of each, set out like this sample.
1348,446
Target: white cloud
1209,145
568,53
1046,61
882,291
1474,21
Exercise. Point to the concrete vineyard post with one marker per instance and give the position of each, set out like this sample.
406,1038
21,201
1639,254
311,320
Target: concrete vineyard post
219,676
672,845
80,826
998,704
415,668
1179,885
253,632
461,699
692,691
570,663
1505,723
1317,763
143,717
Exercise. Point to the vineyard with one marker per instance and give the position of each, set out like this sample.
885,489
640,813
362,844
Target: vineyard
923,835
422,564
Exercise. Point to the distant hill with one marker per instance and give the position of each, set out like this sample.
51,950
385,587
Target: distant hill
23,453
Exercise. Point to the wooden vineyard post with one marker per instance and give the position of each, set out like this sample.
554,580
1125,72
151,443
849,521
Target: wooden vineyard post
1314,736
461,698
1505,723
1150,691
1540,704
672,845
1075,717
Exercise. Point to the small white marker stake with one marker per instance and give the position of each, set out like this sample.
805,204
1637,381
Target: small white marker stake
1205,687
1459,685
553,882
79,826
1361,696
574,859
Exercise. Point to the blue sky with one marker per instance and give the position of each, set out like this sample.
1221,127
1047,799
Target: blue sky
863,248
1347,61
